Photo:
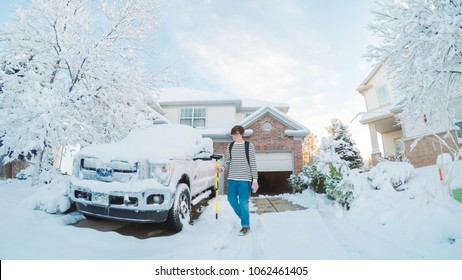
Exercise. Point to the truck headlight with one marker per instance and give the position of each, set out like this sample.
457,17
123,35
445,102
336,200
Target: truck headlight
76,167
162,173
144,170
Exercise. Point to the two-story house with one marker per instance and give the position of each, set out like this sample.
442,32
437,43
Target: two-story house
277,137
382,107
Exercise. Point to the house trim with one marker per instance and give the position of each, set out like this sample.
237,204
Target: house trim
365,84
297,128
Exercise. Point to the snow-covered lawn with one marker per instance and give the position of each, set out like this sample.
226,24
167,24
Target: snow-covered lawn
418,223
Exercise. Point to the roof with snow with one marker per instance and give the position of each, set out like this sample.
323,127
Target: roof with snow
297,129
365,84
185,96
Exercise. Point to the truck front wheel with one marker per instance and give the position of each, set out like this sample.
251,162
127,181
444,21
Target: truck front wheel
180,213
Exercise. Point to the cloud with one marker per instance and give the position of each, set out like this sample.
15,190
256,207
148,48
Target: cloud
243,63
275,53
250,52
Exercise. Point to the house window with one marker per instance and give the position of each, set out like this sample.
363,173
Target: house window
194,117
399,146
382,95
267,126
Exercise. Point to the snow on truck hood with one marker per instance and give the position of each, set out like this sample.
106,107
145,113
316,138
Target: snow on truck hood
158,143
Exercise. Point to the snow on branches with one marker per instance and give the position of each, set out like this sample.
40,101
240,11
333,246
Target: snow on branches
72,72
422,48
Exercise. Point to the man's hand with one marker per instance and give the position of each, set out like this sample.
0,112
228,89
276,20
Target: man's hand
255,186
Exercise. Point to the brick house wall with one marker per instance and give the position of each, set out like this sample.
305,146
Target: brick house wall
276,140
273,140
10,170
427,150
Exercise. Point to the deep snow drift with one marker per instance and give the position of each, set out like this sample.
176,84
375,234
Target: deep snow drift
417,223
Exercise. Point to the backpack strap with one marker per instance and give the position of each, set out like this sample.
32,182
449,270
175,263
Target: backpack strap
230,148
246,147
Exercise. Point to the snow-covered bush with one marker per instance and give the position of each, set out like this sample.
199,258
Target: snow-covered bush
344,144
316,180
328,173
51,198
335,169
299,183
25,173
389,175
397,158
309,178
339,187
346,190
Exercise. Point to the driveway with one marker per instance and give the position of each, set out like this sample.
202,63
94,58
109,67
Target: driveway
274,204
143,231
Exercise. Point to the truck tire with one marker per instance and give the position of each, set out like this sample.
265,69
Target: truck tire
213,192
180,213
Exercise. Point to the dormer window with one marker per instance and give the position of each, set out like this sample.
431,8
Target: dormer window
194,117
382,96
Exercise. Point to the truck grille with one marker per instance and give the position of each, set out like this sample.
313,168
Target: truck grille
115,170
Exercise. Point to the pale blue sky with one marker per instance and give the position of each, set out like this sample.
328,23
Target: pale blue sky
306,53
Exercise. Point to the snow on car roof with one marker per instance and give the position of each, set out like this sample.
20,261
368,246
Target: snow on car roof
158,143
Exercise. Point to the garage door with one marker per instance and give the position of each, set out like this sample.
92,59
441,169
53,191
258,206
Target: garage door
275,161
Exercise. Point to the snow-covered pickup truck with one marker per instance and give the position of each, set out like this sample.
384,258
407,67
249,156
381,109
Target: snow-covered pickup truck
150,176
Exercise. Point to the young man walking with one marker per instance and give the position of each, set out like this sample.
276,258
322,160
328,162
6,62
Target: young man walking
242,175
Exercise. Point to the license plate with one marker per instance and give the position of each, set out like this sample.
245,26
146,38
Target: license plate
100,198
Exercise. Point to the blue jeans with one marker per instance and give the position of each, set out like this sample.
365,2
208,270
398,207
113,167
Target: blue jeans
238,197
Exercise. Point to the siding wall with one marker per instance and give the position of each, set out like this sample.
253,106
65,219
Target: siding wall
370,95
427,150
388,141
217,116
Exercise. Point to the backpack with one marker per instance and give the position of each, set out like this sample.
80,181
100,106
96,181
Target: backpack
247,144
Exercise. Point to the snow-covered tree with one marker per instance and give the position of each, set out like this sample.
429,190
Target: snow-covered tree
72,72
335,169
309,147
308,178
327,173
422,48
344,144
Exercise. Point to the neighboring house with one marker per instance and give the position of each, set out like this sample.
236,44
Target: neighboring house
6,170
382,107
277,138
10,170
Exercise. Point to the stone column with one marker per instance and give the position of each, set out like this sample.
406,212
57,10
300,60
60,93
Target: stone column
374,144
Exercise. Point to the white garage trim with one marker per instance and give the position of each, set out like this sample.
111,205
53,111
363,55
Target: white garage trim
274,161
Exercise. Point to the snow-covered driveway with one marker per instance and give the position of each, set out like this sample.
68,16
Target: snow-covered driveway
33,234
320,232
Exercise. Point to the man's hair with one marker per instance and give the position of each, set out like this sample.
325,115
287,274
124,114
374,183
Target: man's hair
237,128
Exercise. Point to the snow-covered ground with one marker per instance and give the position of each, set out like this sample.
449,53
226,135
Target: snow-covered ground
415,224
